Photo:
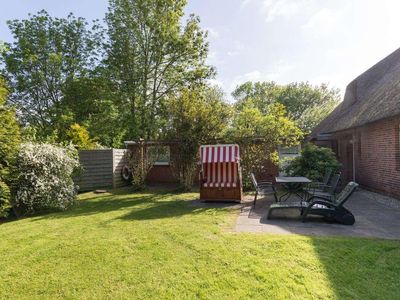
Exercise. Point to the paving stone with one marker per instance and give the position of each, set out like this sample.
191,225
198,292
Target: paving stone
276,229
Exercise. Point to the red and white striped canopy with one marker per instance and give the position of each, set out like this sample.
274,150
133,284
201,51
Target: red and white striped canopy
220,165
219,153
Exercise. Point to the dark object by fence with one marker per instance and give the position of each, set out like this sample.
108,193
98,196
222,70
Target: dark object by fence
101,169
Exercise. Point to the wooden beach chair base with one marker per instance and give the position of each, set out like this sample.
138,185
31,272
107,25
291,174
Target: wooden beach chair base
221,194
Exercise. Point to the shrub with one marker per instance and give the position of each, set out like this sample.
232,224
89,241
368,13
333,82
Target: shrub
313,162
45,180
10,140
4,199
141,160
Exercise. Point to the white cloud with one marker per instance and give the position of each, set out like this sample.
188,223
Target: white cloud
250,76
237,48
215,82
284,8
214,58
212,33
276,73
323,22
232,53
245,3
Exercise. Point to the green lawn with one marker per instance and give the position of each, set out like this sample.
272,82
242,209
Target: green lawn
157,245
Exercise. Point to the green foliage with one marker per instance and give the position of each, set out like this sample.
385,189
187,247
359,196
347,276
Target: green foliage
150,56
313,162
9,130
79,136
106,124
196,116
10,140
46,56
83,94
259,134
306,104
313,115
5,196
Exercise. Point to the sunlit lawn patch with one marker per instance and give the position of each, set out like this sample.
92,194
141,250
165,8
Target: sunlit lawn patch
158,245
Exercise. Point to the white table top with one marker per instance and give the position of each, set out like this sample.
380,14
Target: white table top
292,180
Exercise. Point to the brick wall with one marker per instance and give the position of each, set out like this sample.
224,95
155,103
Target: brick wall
377,155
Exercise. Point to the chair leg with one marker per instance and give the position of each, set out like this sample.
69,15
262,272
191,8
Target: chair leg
275,196
269,213
304,215
255,199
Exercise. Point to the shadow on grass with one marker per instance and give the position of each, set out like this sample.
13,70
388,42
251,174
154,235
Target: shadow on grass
165,209
143,205
114,200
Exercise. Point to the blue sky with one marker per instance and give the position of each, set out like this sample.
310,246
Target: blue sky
282,40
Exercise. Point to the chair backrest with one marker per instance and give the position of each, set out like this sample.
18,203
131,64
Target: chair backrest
253,180
333,183
345,194
327,176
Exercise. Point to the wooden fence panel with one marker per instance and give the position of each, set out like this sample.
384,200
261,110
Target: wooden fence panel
101,169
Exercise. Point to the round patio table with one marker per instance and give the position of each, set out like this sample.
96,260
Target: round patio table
293,186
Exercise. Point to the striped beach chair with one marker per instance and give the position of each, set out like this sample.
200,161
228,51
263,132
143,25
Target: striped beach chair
220,175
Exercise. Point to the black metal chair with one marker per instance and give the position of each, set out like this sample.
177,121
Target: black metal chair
263,188
331,210
329,190
321,185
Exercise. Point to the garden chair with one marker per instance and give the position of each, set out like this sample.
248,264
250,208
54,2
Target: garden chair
330,209
263,188
324,184
329,190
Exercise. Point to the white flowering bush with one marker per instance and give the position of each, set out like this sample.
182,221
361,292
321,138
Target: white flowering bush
45,179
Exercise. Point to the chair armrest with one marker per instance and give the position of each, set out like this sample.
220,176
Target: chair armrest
264,181
318,185
264,184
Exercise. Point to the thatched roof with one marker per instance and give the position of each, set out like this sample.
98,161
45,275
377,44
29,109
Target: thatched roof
372,96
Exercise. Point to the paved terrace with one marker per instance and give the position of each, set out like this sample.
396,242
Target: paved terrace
376,216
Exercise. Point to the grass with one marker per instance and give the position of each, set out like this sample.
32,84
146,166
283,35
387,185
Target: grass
157,245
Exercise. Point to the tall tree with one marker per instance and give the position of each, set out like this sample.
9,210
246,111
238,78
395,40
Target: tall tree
305,103
150,56
196,116
9,145
47,55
